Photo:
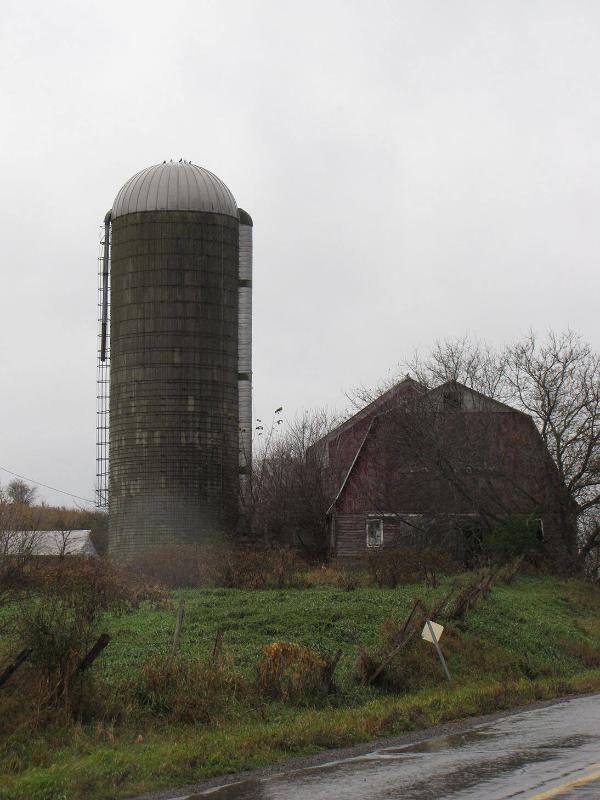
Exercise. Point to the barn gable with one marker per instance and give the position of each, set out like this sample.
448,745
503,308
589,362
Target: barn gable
338,450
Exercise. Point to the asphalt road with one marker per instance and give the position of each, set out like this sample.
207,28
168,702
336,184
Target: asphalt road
547,752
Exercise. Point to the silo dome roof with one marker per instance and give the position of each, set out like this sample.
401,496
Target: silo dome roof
174,186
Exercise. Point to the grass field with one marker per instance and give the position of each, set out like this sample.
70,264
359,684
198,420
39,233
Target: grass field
537,638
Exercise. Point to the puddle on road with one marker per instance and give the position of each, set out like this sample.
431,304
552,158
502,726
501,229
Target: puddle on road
439,743
242,790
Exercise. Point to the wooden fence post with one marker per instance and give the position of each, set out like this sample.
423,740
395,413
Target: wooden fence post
94,652
178,627
14,665
218,645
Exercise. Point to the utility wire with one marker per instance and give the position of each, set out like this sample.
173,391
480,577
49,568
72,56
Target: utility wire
45,485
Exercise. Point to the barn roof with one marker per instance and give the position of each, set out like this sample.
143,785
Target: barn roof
404,387
384,405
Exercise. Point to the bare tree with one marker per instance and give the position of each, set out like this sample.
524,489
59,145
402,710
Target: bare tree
589,551
556,381
65,543
18,491
467,361
17,547
289,500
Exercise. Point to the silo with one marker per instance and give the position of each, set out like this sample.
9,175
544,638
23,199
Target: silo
174,429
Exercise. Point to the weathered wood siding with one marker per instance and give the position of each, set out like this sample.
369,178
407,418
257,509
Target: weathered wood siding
407,530
444,532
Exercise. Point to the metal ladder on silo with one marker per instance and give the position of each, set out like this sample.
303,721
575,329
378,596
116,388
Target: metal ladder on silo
103,369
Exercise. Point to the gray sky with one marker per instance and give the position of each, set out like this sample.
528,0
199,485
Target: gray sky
415,170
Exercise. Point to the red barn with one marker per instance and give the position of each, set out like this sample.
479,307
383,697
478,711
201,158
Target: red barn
446,467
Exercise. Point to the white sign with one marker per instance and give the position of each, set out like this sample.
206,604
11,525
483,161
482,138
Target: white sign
437,631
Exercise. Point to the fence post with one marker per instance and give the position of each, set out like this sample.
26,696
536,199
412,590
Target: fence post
95,651
178,626
14,666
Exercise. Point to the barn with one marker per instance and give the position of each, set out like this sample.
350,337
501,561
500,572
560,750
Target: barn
446,467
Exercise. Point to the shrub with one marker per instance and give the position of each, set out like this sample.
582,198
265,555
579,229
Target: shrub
581,651
388,569
295,674
258,568
412,666
240,567
392,566
57,617
98,582
515,536
187,689
347,579
509,571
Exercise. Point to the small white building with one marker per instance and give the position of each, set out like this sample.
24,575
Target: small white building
47,543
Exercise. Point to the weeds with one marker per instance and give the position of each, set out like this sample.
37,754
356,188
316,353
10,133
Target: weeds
582,651
295,674
391,567
56,620
189,689
220,566
346,579
400,661
395,641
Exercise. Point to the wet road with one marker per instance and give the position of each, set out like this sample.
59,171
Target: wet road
541,753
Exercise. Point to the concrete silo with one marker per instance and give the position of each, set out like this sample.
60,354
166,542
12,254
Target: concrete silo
180,358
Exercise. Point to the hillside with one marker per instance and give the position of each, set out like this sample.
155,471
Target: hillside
537,638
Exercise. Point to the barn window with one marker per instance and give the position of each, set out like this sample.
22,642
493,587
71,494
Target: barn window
536,527
374,532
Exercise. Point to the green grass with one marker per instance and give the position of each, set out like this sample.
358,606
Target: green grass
323,619
536,639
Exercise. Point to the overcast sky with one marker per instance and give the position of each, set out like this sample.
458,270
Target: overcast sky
415,170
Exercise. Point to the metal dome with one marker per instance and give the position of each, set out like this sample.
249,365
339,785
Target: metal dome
174,186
